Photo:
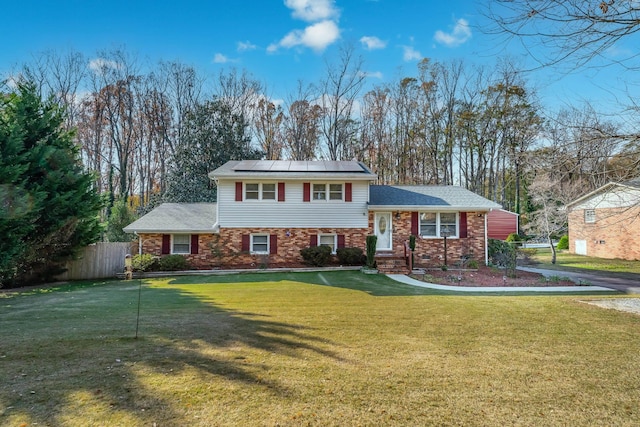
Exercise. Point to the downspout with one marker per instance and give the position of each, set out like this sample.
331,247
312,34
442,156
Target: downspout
139,243
486,240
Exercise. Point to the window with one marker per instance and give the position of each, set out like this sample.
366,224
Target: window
335,191
260,243
589,215
268,191
259,191
319,191
252,192
181,244
327,192
439,224
328,240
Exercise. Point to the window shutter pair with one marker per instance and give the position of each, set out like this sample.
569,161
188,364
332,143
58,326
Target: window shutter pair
239,196
166,244
273,243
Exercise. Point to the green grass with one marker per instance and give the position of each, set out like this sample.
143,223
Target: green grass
326,349
581,262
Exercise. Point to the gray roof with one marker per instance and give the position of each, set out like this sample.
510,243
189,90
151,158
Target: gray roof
291,169
176,218
431,197
631,183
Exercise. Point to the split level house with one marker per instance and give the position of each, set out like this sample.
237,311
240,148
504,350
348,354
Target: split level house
606,222
267,211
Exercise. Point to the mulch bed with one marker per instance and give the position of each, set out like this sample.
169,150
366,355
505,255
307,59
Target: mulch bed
489,276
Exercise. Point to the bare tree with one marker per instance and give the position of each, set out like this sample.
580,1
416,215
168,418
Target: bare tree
338,92
268,128
302,126
567,30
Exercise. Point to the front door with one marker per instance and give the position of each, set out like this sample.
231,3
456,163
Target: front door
382,221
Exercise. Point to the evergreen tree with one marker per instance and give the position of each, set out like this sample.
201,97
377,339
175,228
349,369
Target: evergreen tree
49,208
212,136
120,217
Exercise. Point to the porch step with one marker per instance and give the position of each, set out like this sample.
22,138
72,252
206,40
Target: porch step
391,264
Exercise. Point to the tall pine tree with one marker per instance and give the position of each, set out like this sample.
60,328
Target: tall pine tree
212,136
48,206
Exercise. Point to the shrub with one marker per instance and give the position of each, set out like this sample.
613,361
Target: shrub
472,264
503,254
563,243
371,250
318,256
144,262
173,263
350,256
514,238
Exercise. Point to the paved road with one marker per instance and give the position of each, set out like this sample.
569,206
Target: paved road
629,284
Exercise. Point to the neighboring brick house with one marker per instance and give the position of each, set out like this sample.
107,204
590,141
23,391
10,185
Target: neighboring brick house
267,211
606,222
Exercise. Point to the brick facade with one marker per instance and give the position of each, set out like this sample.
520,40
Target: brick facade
429,252
614,234
224,250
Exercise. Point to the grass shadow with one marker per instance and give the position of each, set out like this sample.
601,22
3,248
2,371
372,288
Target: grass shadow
83,339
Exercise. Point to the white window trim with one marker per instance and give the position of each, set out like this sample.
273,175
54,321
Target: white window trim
591,219
327,193
335,241
438,236
173,252
260,192
259,252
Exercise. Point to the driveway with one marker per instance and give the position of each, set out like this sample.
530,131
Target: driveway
629,284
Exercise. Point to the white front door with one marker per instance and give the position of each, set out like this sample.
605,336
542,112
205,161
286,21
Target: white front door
581,247
382,222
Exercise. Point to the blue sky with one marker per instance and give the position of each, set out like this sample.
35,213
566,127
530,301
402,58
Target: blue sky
282,41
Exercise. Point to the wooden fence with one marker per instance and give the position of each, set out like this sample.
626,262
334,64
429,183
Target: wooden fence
97,261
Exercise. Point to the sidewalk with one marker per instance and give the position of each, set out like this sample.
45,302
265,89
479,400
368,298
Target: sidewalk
413,282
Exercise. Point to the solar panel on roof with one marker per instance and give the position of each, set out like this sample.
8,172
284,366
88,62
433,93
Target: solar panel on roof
262,166
296,166
244,165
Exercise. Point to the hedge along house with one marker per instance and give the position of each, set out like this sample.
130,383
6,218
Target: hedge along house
267,211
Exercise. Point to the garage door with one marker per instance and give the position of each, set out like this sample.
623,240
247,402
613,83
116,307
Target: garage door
581,247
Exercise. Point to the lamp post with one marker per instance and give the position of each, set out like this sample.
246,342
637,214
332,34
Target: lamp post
445,233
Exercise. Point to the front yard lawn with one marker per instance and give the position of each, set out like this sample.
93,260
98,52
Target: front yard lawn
570,261
326,349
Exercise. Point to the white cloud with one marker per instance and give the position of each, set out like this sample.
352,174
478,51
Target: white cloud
460,34
410,54
312,10
100,65
317,37
245,46
372,74
371,43
219,58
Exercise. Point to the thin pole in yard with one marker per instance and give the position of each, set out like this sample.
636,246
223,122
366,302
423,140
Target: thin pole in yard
138,316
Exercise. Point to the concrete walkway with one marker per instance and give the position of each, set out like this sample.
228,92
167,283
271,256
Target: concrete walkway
602,279
413,282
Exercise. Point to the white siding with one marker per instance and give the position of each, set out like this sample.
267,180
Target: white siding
293,212
615,198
